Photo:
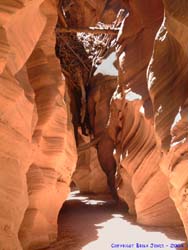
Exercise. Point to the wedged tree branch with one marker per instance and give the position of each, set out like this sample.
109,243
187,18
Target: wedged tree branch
78,57
89,30
92,143
61,15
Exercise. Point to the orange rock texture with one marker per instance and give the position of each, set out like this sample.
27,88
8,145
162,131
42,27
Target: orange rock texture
90,11
89,177
143,120
38,152
140,181
167,82
136,45
79,68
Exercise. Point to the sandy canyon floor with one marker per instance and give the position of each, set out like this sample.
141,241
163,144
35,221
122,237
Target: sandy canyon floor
94,222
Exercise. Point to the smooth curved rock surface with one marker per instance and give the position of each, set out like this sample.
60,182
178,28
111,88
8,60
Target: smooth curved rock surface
36,132
138,158
89,177
167,80
90,12
148,119
136,150
135,46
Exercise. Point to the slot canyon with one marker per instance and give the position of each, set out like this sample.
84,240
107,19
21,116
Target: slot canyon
93,124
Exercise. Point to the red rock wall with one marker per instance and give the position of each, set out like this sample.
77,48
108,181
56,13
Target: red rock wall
89,177
36,132
37,148
140,181
167,80
136,44
90,12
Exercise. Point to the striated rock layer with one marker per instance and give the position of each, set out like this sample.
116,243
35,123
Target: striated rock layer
37,148
167,81
140,182
135,45
36,132
89,177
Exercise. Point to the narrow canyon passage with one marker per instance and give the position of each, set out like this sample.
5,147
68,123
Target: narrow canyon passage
93,93
94,222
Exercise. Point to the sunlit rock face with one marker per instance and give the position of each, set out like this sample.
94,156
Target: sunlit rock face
167,81
90,11
135,41
37,148
89,177
140,181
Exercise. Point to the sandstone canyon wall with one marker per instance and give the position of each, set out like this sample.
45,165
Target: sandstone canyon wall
89,176
140,181
139,153
78,59
148,115
38,152
167,82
